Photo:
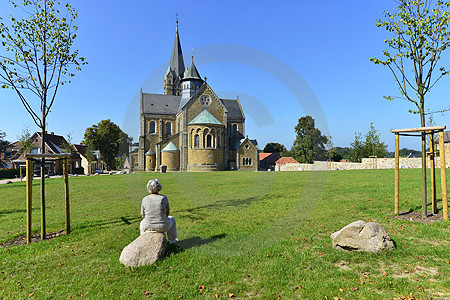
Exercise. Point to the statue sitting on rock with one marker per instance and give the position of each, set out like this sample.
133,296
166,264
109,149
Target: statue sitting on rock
150,246
155,212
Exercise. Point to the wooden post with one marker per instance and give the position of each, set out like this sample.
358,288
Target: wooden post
433,175
397,165
66,185
29,174
443,177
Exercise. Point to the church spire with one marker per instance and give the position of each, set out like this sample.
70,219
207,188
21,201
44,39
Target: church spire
176,61
175,71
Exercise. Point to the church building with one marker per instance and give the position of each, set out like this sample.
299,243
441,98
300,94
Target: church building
190,128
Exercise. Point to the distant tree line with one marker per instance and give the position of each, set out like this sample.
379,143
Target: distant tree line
310,145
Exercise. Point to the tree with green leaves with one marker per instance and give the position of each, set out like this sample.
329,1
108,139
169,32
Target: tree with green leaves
25,141
37,59
274,148
369,146
418,35
309,144
109,139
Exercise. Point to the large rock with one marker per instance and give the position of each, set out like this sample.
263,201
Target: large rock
145,250
362,236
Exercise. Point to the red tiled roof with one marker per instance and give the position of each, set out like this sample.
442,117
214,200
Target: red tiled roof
286,160
264,155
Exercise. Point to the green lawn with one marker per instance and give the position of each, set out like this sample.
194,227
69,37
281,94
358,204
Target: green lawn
252,235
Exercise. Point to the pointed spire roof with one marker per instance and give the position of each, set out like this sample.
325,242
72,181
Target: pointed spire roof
176,61
191,72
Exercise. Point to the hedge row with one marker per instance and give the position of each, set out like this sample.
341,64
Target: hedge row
10,173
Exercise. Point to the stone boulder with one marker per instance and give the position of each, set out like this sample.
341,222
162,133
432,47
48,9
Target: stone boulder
145,250
362,236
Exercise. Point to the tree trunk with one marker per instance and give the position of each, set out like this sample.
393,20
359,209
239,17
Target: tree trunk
424,162
43,229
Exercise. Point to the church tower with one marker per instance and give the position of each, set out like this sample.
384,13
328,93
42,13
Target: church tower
174,74
191,82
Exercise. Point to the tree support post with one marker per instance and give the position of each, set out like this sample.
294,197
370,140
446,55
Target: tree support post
397,164
29,174
66,188
443,177
433,175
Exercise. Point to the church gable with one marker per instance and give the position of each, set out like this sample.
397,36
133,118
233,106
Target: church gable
206,98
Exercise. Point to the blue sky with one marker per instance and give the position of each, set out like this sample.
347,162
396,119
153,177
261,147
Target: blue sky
284,60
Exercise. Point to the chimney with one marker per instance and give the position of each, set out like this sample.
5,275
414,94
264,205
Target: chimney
52,133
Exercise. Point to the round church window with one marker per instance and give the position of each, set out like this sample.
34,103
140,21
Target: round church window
205,100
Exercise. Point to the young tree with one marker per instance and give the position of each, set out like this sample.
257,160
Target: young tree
108,138
418,35
25,141
274,148
357,148
37,56
372,144
309,145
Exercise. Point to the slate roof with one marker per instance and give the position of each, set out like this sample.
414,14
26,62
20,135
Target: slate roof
170,105
191,72
234,110
205,117
238,143
170,147
160,104
54,142
176,60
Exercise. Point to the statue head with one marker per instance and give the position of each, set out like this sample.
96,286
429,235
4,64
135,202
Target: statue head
154,186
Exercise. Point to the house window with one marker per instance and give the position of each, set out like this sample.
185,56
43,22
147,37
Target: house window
168,128
152,127
247,161
208,141
196,141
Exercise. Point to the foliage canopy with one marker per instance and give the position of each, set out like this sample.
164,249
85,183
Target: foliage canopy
309,145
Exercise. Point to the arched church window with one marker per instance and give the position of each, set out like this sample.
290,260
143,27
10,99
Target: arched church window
152,127
234,129
196,141
208,141
168,128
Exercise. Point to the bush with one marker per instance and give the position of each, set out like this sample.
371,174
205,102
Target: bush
79,170
10,173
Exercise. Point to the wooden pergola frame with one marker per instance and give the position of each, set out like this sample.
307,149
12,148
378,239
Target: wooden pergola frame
30,158
430,131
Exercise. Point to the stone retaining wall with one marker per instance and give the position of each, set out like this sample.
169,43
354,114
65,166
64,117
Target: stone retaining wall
367,163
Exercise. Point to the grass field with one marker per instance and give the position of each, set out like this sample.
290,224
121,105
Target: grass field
242,234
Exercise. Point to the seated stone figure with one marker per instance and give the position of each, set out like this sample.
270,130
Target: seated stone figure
155,211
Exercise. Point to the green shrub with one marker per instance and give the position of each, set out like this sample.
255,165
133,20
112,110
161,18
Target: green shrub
9,173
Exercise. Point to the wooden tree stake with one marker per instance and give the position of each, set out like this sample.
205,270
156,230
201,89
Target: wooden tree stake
433,175
443,177
397,165
29,174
